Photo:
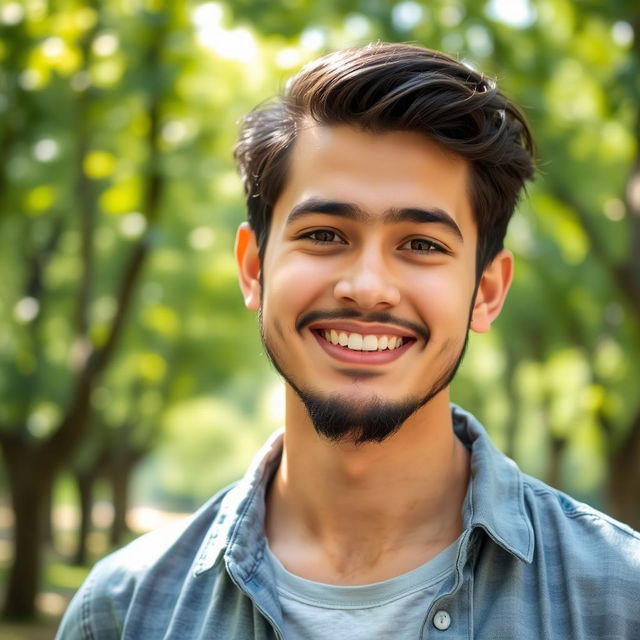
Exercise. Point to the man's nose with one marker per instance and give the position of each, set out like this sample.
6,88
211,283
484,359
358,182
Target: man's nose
368,283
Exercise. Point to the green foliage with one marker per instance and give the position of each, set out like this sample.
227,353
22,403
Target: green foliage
208,443
76,100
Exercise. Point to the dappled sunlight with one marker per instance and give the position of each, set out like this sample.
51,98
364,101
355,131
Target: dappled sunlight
144,518
234,44
52,604
515,13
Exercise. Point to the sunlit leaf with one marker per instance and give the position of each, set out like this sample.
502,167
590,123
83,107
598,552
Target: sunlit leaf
99,164
40,199
122,196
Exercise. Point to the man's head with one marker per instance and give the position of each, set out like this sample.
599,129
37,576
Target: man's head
395,87
379,190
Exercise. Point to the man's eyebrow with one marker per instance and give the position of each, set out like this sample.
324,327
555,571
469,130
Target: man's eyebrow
417,214
328,207
354,212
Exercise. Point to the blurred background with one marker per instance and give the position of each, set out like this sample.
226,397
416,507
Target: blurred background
132,381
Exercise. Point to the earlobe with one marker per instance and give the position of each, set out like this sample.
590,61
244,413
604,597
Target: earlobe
248,261
492,291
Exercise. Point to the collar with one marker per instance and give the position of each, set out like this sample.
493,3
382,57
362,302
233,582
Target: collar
238,528
494,503
495,498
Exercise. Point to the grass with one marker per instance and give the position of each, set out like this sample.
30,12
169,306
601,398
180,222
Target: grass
43,629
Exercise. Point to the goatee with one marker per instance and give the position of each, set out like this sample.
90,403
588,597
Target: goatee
339,419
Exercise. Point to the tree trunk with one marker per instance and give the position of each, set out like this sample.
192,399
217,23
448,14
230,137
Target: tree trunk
557,446
120,477
513,419
84,484
623,486
123,464
48,528
554,468
31,483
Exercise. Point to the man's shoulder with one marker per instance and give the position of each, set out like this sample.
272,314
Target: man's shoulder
579,531
177,542
163,558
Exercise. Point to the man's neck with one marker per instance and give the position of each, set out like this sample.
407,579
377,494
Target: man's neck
355,514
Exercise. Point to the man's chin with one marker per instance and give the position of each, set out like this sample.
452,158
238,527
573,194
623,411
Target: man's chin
356,421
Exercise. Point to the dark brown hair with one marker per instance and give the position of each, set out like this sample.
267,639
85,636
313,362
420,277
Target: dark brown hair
395,87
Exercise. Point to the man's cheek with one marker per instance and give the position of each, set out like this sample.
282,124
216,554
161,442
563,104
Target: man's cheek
298,283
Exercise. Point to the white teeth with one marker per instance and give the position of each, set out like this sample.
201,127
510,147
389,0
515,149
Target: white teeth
370,343
360,342
355,341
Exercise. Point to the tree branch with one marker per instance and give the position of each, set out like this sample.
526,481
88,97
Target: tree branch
85,196
63,440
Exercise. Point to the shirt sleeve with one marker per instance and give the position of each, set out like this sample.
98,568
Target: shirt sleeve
71,627
93,613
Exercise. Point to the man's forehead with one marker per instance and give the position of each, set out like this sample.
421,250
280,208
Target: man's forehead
376,171
319,136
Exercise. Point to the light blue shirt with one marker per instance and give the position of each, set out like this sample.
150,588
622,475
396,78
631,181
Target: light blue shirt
392,608
531,563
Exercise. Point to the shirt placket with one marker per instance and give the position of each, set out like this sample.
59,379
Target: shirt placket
450,616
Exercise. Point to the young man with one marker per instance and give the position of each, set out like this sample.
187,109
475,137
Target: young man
379,189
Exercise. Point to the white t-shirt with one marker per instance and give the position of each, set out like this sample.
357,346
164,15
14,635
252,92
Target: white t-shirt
395,608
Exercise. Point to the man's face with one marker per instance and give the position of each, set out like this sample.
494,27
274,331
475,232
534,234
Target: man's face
368,276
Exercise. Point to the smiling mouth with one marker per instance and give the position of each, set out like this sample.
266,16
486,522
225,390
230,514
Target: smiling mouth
362,342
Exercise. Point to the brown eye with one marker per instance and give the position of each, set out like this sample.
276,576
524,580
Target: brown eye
422,245
323,235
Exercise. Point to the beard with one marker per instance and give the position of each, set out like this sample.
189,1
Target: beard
343,419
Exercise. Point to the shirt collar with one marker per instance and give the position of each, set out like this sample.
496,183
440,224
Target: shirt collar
494,502
495,498
238,528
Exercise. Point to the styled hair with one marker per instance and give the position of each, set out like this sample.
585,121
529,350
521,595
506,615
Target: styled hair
384,87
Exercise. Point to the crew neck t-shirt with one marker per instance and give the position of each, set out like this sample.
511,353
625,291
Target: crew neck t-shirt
394,608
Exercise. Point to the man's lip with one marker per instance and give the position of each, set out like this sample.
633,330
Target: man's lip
364,328
357,322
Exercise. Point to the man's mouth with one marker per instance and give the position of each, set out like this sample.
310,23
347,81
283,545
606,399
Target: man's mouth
362,342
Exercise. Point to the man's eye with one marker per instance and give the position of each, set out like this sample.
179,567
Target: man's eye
323,236
422,245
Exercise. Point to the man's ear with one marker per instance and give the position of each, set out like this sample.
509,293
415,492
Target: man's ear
492,291
248,262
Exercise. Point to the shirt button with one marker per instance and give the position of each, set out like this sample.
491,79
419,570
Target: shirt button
442,620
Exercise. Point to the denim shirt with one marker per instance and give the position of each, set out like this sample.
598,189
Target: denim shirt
531,563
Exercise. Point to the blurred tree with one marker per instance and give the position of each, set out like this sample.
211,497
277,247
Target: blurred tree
48,417
578,64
